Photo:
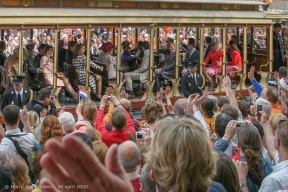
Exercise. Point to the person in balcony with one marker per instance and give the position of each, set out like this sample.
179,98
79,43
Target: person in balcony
214,57
47,65
79,61
236,61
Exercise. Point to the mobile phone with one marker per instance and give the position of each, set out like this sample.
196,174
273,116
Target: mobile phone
259,108
139,136
239,123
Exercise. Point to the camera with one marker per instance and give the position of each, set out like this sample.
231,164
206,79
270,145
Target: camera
22,111
139,136
240,122
108,97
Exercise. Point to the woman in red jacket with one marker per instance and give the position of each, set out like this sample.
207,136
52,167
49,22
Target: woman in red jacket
236,63
214,57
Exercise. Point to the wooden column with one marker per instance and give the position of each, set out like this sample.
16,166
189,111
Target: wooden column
20,67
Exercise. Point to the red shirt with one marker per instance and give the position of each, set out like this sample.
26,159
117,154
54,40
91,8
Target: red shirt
114,136
236,59
136,184
215,57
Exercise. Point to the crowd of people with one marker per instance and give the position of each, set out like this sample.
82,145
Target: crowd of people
201,143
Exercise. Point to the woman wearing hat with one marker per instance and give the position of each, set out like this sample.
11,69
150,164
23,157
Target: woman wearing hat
110,61
125,57
46,63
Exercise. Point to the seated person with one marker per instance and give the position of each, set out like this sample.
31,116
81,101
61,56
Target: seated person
79,61
167,72
70,51
192,55
37,58
110,61
141,74
125,57
47,65
215,58
236,60
191,80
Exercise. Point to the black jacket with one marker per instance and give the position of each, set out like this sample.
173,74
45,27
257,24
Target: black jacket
2,58
188,85
34,102
10,97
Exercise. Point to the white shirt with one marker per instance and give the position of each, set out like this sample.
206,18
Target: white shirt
277,180
199,116
21,94
26,142
229,150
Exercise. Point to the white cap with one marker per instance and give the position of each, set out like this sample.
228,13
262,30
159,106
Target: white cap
283,84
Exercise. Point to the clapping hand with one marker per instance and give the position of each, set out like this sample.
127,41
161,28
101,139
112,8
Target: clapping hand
123,94
167,90
159,95
251,73
110,91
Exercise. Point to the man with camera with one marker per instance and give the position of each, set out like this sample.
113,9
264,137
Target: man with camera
45,99
18,95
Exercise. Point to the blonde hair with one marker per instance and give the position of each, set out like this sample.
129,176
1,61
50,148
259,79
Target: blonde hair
20,173
274,120
90,111
177,161
33,119
100,150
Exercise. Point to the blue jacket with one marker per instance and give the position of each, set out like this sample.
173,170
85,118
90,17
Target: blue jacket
257,87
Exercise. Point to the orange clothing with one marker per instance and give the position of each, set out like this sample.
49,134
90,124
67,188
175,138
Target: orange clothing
141,123
215,57
275,109
108,116
211,123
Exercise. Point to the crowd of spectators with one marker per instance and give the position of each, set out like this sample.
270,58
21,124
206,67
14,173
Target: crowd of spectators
201,143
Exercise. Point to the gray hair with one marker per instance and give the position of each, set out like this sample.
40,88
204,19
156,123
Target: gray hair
2,158
180,105
148,185
132,161
68,122
266,106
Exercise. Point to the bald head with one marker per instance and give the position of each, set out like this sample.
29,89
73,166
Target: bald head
126,104
129,155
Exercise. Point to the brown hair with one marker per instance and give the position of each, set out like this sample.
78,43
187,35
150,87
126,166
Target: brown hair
78,47
233,46
272,94
90,111
51,128
100,150
93,134
153,111
226,172
46,49
221,100
119,118
243,107
230,110
20,173
250,142
175,166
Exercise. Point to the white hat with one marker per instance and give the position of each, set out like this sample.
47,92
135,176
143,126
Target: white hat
283,84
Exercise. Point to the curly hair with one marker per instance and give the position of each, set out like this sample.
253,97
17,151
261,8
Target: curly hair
90,111
19,170
226,173
250,142
51,127
177,161
153,111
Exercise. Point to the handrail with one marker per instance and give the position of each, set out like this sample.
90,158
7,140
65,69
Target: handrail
265,65
252,62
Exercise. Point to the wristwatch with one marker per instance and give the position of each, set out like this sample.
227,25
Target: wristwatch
242,185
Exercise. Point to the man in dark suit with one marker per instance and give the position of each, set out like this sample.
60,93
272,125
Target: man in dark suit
207,48
18,95
192,55
191,81
278,46
70,51
37,58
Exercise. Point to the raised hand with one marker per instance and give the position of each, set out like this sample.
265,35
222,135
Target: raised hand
167,90
123,94
251,73
110,91
227,82
78,168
